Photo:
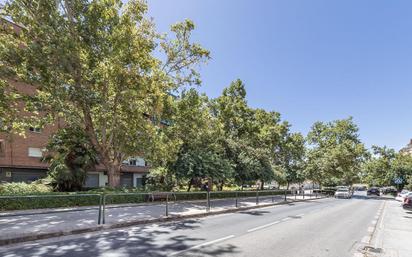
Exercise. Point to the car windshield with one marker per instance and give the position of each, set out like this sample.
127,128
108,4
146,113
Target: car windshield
342,190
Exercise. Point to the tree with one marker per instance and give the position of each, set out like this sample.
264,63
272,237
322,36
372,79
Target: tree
402,169
196,136
335,152
253,137
70,156
378,166
237,118
95,64
384,166
293,158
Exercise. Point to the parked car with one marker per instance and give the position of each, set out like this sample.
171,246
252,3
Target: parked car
407,203
388,190
342,192
401,195
373,191
405,196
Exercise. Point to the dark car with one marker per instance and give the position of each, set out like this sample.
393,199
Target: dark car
388,190
373,191
407,203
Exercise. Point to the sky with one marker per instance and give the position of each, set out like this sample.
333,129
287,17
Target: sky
317,60
310,60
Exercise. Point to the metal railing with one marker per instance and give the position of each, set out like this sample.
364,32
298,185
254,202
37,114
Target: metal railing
168,200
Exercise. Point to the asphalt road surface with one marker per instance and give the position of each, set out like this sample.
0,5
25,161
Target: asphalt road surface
327,227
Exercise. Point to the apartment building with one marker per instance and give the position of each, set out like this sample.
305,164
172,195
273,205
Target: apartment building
21,160
21,156
407,149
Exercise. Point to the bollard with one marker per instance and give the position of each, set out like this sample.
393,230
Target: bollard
303,193
257,197
99,219
273,197
167,204
104,210
236,199
285,195
208,201
296,192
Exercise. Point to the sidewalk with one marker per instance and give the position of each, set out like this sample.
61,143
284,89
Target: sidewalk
393,235
35,224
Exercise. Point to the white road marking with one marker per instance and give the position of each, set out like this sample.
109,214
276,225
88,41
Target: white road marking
204,244
301,215
285,219
263,226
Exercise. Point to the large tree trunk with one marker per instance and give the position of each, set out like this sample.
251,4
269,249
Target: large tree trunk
189,186
262,185
113,174
210,184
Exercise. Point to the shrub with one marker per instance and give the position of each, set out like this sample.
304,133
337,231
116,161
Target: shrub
22,188
70,155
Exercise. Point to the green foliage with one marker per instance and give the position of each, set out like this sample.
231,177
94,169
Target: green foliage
160,179
385,165
335,153
21,188
96,64
71,155
223,141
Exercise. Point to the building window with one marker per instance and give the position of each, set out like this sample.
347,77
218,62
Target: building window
2,148
35,129
135,161
35,152
132,162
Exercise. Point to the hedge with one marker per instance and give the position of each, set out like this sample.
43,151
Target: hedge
41,201
55,200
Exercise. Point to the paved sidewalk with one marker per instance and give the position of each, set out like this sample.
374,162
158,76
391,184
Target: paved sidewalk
35,223
393,235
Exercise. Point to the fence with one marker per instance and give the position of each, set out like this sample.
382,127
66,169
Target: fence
120,207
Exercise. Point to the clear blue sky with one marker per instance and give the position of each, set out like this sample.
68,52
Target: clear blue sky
309,60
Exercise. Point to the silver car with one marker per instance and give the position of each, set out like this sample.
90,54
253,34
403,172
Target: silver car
343,193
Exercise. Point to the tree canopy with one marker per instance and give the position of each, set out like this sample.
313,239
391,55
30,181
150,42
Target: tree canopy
96,64
335,152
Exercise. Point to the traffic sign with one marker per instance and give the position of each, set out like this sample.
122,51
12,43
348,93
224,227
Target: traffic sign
398,180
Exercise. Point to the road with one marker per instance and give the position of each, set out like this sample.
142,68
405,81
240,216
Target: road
327,227
14,224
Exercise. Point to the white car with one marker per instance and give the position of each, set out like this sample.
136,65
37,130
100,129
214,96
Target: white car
402,195
342,192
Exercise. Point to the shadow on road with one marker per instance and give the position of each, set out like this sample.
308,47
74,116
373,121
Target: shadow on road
129,242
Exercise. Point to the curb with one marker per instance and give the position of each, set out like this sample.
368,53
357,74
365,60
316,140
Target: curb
39,236
366,249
